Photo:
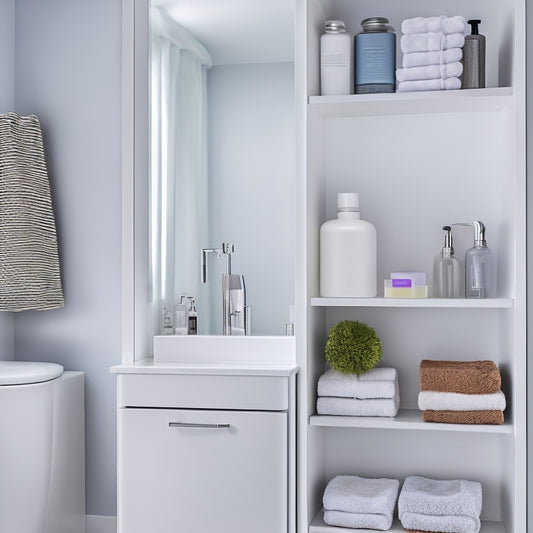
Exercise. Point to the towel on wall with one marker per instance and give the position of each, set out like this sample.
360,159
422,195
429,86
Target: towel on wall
466,377
29,261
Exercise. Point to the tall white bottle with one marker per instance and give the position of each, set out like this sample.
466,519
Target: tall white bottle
348,253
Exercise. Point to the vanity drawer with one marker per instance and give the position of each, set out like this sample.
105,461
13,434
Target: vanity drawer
204,391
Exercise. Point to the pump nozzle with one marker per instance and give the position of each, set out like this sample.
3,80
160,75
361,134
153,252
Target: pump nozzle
479,231
475,26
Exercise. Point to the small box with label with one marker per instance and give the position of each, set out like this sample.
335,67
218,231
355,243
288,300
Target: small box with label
406,285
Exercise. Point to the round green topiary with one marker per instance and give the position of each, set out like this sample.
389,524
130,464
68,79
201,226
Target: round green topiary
353,347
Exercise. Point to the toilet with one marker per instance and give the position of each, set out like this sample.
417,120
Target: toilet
42,448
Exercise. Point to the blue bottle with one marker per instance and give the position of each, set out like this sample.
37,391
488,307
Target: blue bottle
375,57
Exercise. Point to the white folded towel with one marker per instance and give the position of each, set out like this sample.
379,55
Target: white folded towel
358,520
440,57
429,85
457,524
430,42
430,72
376,383
361,496
455,401
443,24
440,505
352,407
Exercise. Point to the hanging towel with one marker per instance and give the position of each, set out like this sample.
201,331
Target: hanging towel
443,24
463,417
430,72
466,377
430,42
440,505
358,496
453,401
29,262
440,57
429,85
367,385
352,407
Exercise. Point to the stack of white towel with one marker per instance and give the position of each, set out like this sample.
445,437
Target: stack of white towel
374,393
435,505
356,502
432,49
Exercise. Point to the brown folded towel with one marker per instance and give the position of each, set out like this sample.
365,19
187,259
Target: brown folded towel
463,417
466,377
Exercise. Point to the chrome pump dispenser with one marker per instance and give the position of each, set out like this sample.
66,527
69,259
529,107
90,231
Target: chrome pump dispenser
480,267
447,270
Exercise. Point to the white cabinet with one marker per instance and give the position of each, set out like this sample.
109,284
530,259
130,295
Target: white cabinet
202,471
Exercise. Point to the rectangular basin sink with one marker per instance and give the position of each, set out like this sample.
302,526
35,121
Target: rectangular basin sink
223,348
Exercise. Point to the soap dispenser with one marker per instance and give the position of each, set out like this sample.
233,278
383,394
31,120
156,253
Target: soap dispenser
447,270
480,266
474,58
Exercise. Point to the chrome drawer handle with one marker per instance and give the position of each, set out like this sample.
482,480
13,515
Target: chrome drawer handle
193,425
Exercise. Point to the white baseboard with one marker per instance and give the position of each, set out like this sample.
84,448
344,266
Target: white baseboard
100,524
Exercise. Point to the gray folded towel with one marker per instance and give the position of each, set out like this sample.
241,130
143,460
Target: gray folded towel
29,261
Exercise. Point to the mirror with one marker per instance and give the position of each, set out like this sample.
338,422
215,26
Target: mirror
222,156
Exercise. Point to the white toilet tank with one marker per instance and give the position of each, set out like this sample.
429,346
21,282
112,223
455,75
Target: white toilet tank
42,449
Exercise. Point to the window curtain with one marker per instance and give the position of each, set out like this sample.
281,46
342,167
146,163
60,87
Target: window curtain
178,195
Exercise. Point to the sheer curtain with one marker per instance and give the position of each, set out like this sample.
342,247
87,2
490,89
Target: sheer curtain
178,192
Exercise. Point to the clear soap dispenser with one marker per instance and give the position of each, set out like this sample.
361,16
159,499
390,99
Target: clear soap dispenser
447,270
480,267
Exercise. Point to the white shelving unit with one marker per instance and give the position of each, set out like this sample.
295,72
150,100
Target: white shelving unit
419,161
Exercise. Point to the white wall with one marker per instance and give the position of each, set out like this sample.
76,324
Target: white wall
7,103
68,72
251,186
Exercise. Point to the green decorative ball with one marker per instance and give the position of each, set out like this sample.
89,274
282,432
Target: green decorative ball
353,347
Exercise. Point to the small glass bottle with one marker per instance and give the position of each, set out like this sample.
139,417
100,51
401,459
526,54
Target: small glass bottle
181,319
167,322
447,270
375,57
335,45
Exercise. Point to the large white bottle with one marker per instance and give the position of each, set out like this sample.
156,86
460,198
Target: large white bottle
348,253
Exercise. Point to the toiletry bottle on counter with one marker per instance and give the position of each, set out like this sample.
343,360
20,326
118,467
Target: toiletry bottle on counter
167,322
375,57
474,58
181,318
335,45
447,270
348,252
193,319
480,267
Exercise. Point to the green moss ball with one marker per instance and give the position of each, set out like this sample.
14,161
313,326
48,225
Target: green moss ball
353,347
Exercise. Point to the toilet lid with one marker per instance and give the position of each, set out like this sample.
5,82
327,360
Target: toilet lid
23,372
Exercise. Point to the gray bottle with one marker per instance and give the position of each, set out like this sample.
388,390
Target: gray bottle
474,58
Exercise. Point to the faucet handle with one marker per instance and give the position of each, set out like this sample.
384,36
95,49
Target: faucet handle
228,248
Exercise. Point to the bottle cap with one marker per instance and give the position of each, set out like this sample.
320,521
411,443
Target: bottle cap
376,24
348,201
334,26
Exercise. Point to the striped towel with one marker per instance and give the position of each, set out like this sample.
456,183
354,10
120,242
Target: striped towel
29,262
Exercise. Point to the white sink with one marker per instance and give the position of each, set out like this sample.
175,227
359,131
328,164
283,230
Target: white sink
222,348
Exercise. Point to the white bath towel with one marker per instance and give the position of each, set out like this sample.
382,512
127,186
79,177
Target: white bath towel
440,57
435,497
352,407
430,42
359,496
455,401
337,384
430,72
443,24
429,85
358,520
443,523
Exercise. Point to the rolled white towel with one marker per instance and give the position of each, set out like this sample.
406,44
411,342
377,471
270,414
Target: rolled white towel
361,496
430,72
352,407
455,401
429,85
444,24
358,520
441,57
440,505
376,383
431,42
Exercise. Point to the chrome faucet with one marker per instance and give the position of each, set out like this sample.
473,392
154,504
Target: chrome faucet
236,314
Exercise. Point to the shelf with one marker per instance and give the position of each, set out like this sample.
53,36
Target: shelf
319,526
406,419
456,303
423,102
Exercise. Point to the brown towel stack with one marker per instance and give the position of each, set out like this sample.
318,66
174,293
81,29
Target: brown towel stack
463,377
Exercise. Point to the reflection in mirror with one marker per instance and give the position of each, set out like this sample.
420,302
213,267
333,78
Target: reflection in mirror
222,156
